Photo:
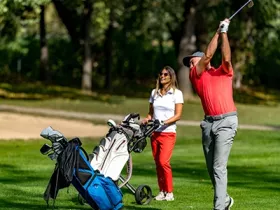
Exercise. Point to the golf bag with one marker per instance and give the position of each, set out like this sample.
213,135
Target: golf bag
73,167
114,151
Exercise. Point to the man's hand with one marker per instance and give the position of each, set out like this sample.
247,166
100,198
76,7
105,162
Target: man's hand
223,27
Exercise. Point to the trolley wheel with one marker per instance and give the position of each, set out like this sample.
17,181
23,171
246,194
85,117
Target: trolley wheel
81,200
143,195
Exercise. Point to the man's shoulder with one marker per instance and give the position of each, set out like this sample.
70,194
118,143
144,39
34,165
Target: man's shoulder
221,70
193,74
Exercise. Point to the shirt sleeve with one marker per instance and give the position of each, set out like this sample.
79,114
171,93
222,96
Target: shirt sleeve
151,100
179,99
230,73
194,78
192,74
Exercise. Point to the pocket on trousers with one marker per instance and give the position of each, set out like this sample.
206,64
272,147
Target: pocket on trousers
232,122
202,124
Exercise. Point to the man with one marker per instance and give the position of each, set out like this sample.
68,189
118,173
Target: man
214,87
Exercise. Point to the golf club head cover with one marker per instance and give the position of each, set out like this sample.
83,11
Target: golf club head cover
224,26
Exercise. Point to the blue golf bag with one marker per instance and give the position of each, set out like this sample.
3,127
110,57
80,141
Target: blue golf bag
73,167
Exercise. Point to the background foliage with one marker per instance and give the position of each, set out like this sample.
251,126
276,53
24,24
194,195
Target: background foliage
130,41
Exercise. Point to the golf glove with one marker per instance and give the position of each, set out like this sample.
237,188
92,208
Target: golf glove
57,147
223,27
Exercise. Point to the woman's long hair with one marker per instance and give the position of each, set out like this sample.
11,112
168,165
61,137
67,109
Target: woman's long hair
173,80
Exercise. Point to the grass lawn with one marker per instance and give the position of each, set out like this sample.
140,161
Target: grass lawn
248,114
254,174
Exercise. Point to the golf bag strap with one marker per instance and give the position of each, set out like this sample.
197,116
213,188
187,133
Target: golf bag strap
85,153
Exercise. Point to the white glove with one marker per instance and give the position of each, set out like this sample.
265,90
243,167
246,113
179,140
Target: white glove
223,27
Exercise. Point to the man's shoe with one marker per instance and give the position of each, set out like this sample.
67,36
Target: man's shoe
169,197
160,196
230,204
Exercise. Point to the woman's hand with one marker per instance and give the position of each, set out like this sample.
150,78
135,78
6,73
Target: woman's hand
145,120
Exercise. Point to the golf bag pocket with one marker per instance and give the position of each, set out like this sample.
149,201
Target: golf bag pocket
113,192
99,192
105,193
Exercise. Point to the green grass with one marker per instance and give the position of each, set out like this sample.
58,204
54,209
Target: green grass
254,174
248,114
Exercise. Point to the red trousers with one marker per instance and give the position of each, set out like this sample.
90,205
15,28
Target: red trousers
162,148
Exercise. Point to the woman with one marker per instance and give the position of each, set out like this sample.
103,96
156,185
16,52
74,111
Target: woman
166,104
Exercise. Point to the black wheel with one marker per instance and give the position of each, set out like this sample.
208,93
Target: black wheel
143,195
81,200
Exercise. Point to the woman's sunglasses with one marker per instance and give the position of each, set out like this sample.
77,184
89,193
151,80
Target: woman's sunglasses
164,74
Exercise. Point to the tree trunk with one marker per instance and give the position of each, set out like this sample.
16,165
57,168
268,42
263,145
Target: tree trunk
44,55
87,63
187,45
108,48
237,66
71,21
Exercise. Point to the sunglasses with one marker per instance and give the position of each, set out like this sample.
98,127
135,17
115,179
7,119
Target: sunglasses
164,74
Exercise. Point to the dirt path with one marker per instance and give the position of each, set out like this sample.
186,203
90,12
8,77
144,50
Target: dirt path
21,126
27,123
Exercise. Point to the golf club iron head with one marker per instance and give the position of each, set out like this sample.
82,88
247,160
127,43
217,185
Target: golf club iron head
45,149
250,3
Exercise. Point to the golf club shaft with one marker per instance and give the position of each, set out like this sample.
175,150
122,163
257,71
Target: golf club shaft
239,9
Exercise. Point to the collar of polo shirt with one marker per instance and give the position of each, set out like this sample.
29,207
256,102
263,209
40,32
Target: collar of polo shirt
170,91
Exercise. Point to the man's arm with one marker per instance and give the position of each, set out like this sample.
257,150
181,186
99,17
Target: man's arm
209,53
226,53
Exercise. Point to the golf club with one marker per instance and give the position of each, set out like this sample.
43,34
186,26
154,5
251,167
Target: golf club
46,149
250,3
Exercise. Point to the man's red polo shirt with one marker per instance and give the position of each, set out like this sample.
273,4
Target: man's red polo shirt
214,87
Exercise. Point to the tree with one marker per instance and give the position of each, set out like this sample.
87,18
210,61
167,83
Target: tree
44,58
181,26
18,15
76,17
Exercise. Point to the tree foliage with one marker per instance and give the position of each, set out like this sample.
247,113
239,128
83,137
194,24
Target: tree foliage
129,41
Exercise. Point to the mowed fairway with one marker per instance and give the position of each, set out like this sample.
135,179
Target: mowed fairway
254,174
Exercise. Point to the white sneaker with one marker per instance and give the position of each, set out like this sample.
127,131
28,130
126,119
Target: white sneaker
160,196
230,204
169,197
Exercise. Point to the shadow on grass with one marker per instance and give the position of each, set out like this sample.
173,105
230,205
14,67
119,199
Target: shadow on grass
13,205
18,176
127,207
252,177
249,177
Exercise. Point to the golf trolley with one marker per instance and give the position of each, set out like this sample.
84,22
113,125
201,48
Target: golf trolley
114,152
108,158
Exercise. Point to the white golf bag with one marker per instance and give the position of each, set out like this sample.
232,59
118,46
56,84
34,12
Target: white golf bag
112,153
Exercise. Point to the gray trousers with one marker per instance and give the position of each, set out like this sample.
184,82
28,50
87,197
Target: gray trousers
217,140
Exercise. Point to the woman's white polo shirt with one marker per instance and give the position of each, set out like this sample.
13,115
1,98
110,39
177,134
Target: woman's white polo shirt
164,107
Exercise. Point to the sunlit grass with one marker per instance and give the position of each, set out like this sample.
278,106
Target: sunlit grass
254,174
